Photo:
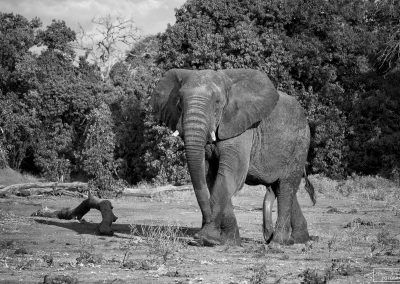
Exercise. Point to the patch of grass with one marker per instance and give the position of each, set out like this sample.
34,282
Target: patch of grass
386,244
265,251
367,187
338,267
332,244
356,233
314,276
343,267
357,222
370,187
162,243
324,185
9,176
50,279
86,257
86,244
9,222
187,196
130,246
332,210
86,253
260,275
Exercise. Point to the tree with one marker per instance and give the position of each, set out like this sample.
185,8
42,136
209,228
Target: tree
98,151
322,52
57,37
108,44
144,150
46,98
52,150
18,124
387,18
17,36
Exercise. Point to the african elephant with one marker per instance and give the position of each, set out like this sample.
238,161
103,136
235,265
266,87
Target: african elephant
238,129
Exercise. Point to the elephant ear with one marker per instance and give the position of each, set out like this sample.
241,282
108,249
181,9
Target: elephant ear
251,96
165,98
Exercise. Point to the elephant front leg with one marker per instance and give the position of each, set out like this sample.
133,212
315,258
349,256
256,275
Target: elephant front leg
229,227
209,235
233,165
222,230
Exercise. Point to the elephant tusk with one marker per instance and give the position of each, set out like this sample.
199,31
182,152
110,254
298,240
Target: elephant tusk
213,136
176,133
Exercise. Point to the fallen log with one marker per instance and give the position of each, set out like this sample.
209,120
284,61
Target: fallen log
104,206
152,192
26,189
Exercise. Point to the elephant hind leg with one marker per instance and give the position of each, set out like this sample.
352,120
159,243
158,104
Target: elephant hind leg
285,191
298,223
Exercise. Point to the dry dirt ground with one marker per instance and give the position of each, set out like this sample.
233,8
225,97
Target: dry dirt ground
352,239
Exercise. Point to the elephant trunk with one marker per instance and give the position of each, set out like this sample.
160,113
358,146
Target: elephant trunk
195,133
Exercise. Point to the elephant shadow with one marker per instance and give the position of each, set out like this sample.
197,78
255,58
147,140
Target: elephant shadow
120,230
124,231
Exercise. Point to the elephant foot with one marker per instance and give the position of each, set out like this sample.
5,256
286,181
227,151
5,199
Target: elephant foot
300,236
231,237
208,236
282,239
229,229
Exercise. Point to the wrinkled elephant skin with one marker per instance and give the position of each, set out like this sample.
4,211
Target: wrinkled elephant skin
237,129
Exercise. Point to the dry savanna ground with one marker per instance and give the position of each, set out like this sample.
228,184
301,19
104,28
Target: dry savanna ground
355,228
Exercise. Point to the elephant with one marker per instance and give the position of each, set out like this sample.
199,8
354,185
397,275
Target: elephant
238,129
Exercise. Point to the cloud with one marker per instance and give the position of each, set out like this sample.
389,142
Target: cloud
151,16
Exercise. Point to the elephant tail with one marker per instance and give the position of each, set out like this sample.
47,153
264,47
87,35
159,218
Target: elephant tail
309,188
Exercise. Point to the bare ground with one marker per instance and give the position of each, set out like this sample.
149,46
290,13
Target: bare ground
351,238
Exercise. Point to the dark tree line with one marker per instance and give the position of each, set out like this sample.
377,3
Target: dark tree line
60,118
338,57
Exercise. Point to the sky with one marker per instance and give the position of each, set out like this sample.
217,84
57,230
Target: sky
150,16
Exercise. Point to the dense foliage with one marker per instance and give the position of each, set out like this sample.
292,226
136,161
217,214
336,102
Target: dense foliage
47,100
62,119
329,54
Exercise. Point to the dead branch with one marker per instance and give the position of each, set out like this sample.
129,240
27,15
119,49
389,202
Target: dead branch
150,193
27,189
92,202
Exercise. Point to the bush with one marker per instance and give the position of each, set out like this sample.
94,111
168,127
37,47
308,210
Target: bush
3,157
51,151
326,54
98,153
164,157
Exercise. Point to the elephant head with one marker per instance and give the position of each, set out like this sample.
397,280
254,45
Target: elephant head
206,105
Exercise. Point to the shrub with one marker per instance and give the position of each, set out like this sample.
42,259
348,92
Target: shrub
3,157
98,153
164,157
52,146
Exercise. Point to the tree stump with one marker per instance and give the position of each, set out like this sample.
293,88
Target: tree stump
104,206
